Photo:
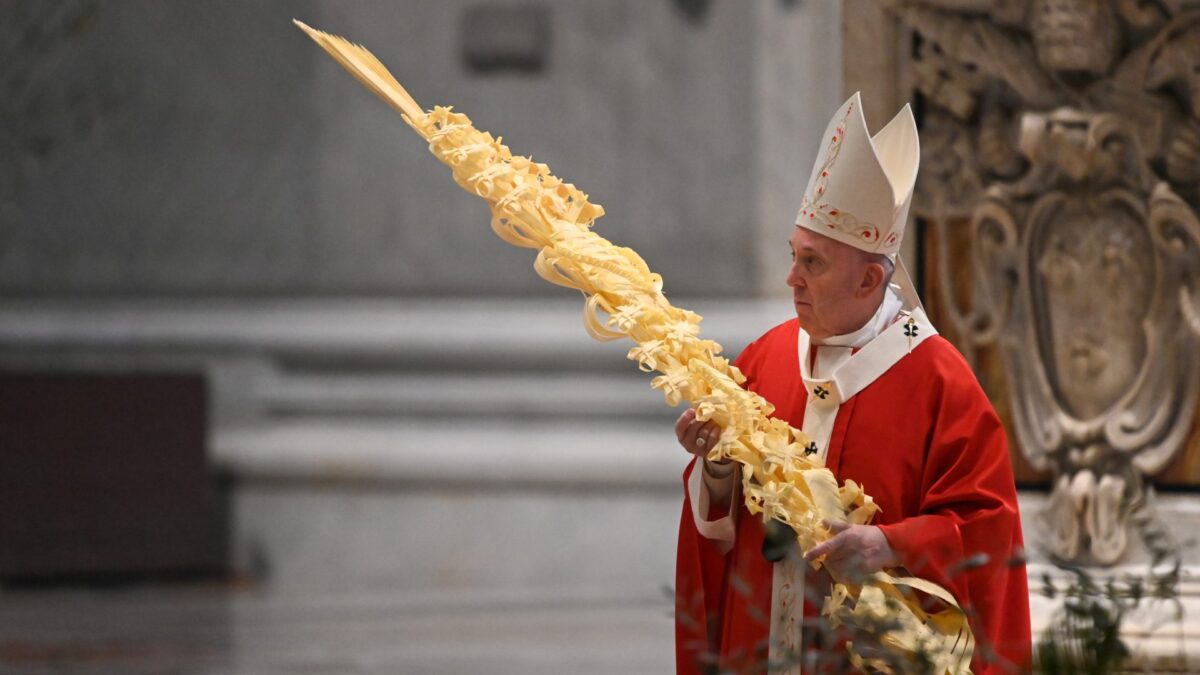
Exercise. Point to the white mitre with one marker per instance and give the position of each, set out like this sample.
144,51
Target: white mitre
862,185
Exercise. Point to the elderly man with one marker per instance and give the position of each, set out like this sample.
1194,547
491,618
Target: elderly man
888,403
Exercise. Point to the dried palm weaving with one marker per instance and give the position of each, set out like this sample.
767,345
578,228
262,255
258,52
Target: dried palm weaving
531,208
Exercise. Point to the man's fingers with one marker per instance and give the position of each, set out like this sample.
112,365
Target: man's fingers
689,436
682,423
696,437
821,549
834,546
844,556
836,527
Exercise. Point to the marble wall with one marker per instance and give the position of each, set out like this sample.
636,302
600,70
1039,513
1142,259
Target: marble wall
201,149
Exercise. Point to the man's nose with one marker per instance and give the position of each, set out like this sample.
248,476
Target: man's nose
794,280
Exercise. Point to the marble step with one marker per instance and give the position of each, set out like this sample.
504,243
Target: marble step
522,395
344,334
633,454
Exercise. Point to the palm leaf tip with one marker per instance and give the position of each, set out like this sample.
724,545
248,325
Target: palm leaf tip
367,69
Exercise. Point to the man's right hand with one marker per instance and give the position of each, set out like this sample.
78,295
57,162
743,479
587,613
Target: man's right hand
698,438
695,436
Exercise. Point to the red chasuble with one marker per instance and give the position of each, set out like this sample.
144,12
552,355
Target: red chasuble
925,443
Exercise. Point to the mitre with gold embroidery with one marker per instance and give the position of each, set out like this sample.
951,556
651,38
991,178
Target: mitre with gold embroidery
862,185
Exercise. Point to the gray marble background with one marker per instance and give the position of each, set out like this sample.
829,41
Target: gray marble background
208,148
434,469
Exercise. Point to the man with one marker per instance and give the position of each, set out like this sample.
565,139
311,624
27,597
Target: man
889,404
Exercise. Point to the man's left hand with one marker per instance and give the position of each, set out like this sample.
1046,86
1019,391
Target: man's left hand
854,552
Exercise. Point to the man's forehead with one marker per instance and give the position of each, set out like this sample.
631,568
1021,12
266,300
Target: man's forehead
803,238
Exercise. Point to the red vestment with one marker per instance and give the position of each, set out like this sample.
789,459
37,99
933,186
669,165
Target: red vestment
926,444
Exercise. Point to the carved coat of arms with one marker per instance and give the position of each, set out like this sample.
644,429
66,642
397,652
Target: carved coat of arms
1064,135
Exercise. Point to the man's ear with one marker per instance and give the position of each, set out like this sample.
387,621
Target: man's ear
872,277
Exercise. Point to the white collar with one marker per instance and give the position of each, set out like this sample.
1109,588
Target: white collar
894,342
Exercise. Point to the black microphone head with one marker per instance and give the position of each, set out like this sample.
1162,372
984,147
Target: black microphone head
778,540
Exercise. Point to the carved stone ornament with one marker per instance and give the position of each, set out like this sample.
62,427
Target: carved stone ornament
1064,135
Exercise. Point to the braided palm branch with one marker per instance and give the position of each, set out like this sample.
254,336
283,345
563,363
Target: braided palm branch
531,208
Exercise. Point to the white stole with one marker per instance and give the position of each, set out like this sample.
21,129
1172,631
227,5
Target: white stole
835,375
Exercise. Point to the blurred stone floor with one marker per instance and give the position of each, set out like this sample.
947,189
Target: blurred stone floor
210,628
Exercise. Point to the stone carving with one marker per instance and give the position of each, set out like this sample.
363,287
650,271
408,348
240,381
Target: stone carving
1064,135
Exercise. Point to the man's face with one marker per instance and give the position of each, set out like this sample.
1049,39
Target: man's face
824,278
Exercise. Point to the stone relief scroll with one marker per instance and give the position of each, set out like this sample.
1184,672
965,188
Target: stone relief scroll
1061,141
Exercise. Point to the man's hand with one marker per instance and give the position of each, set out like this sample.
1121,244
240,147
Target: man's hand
854,552
696,437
